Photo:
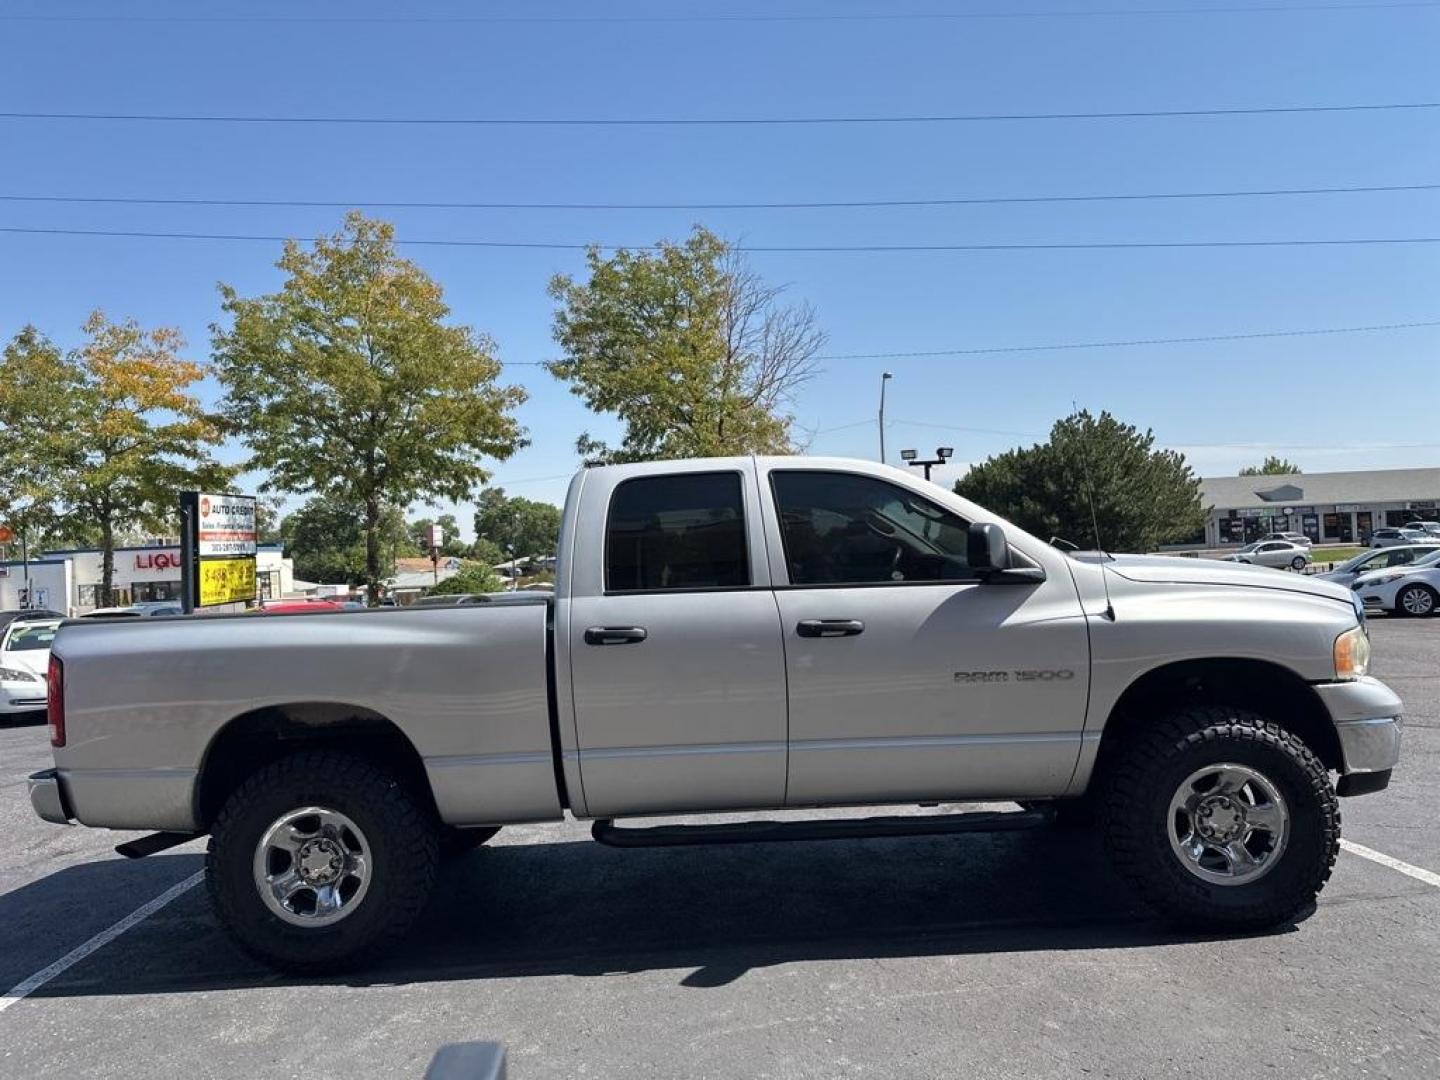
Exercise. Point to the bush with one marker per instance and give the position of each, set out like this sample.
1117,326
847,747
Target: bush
471,578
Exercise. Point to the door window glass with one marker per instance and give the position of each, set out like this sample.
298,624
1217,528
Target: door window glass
684,531
840,529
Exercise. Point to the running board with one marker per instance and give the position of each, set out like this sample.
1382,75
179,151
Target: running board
765,832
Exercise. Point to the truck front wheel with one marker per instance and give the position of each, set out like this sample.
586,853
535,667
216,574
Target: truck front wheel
320,860
1221,818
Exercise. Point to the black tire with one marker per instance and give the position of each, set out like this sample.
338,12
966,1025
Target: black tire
456,842
1136,817
403,843
1298,563
1423,594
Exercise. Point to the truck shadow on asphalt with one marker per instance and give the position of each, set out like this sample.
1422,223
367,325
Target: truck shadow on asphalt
712,914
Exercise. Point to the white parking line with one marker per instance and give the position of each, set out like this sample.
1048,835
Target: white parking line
1418,874
24,989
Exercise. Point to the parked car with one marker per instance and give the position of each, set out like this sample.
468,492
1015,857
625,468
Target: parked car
7,617
1395,537
1383,559
1430,527
450,600
1276,553
24,657
150,609
730,635
299,604
1412,590
1291,538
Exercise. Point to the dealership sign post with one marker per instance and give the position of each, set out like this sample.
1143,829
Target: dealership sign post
217,549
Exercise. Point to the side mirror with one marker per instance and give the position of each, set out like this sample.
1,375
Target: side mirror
986,549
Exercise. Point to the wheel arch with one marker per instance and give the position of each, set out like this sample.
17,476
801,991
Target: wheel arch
258,737
1261,686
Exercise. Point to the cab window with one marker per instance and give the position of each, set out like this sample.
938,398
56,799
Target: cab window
846,529
682,531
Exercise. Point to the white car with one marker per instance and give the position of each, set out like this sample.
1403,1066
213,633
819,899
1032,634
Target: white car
1392,558
1395,537
1431,527
1415,591
24,656
137,611
1292,538
1277,553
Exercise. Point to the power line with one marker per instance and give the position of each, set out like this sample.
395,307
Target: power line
1131,343
838,204
736,17
770,249
1177,443
720,121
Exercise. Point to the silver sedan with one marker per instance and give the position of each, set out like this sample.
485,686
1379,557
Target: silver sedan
1280,554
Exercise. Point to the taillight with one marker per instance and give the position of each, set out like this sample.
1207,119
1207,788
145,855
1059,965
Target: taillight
55,700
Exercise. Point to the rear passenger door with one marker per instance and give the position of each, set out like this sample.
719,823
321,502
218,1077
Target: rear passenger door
675,654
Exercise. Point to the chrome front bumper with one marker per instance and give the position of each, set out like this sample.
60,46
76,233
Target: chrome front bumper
48,797
1366,714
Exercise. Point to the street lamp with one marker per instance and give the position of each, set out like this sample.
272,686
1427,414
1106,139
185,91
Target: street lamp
942,455
884,378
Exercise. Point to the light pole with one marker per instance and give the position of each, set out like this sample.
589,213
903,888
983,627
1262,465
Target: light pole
884,378
942,455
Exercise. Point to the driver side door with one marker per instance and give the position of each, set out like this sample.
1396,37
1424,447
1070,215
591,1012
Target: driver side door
910,678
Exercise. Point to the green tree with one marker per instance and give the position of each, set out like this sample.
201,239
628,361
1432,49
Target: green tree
350,383
470,578
1271,466
1143,497
267,519
688,346
487,552
326,540
525,526
101,439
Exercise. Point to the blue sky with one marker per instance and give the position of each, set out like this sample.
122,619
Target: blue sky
1336,402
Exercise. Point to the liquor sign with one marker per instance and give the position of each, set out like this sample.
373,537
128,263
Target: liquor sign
217,546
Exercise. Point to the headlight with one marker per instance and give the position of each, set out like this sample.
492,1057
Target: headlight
1352,653
1384,579
9,674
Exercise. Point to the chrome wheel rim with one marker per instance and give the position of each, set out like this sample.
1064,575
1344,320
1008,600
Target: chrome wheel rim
1416,601
312,866
1228,824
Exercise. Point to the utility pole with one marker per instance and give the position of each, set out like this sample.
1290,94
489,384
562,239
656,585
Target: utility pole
884,378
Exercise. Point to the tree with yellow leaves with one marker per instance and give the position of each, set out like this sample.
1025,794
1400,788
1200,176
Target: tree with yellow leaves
103,437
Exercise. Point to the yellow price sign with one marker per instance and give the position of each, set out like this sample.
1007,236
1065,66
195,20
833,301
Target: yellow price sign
226,581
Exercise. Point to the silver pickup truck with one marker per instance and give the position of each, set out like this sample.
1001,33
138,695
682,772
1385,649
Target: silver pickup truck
731,635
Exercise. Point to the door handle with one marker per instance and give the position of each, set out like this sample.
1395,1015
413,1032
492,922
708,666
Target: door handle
615,635
829,627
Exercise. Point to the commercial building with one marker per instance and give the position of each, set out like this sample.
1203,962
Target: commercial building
1329,508
70,580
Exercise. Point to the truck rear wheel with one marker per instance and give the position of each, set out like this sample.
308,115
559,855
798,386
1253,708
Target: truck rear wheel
320,860
1221,818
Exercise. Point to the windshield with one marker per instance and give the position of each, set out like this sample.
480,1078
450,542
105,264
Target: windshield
31,637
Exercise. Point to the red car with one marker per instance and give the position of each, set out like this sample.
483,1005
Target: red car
289,607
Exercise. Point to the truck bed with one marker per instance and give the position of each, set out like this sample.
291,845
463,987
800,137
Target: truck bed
467,686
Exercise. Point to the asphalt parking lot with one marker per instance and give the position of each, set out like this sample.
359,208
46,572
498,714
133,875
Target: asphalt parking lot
1014,955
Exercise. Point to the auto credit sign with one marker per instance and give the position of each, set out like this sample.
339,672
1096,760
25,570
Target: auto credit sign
217,548
225,526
